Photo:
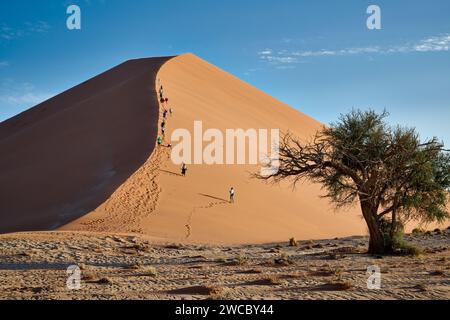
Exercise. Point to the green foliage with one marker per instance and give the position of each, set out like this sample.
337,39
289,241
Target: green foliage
418,231
393,235
394,241
389,170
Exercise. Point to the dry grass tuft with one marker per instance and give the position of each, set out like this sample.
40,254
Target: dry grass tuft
104,280
89,276
204,290
293,242
339,286
271,280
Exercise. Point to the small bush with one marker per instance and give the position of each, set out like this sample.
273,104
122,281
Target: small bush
141,267
270,280
293,242
418,231
412,250
241,259
340,286
396,243
283,260
105,281
82,266
88,276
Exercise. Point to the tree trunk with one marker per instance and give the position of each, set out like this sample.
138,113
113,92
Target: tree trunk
376,240
393,225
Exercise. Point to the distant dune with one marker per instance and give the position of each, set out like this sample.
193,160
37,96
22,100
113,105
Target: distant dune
86,160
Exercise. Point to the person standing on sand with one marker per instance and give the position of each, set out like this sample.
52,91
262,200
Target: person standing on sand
161,92
171,112
159,140
183,169
165,114
232,195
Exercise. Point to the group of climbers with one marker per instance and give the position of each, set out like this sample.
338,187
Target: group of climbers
165,103
169,111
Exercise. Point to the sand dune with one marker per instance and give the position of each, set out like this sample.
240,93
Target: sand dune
63,158
86,160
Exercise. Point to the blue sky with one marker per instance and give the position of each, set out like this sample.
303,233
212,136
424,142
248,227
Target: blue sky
317,56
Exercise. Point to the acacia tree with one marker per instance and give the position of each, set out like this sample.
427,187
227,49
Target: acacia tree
392,175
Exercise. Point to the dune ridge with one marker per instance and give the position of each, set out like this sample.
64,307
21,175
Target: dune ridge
63,158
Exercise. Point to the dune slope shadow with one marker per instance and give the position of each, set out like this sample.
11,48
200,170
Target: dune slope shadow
63,158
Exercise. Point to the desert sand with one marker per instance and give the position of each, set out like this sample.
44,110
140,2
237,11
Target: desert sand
117,266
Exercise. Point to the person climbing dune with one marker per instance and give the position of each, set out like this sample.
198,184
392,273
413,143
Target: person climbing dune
232,195
159,140
183,169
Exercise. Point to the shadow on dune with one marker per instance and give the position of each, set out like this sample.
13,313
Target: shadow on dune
171,173
63,158
213,197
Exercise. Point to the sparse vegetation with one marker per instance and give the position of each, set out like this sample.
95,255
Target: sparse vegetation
189,276
241,259
82,266
104,280
252,271
283,260
418,231
270,280
391,173
328,271
149,270
88,276
339,285
205,290
293,242
221,260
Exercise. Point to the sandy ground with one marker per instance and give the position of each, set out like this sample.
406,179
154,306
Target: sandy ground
33,266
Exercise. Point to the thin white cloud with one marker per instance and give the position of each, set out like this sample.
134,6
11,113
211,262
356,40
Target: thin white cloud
21,94
278,59
37,27
29,98
4,64
285,57
433,44
265,52
10,33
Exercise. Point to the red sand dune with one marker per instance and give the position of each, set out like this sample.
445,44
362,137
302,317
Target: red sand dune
86,160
